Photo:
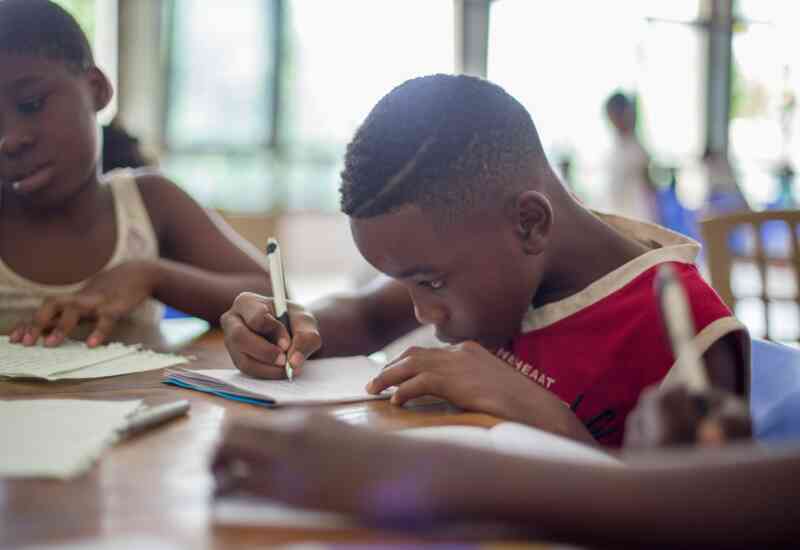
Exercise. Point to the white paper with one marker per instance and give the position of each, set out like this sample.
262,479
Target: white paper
337,380
75,360
58,438
516,439
244,511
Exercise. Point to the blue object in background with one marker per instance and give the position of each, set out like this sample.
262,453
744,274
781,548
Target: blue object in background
774,391
674,215
170,313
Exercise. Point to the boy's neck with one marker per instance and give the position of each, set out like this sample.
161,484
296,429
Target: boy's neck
578,261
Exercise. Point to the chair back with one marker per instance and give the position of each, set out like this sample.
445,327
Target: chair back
755,256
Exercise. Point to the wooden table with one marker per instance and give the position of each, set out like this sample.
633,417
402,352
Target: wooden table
158,483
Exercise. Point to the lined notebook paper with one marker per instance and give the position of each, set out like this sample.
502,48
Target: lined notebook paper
337,380
58,438
73,360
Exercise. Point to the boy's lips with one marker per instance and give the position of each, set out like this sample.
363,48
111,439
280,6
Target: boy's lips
33,181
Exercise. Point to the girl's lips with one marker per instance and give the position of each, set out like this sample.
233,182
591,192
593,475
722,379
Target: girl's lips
33,182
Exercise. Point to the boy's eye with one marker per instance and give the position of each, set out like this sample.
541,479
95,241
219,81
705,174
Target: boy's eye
31,106
436,284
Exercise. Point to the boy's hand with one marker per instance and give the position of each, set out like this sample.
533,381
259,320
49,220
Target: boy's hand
260,345
673,416
106,298
470,377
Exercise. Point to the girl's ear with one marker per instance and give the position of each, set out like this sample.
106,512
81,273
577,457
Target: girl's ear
101,88
533,221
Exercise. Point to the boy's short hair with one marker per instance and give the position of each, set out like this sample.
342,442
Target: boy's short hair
41,27
440,142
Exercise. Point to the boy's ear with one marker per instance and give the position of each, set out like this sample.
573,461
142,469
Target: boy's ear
533,220
102,90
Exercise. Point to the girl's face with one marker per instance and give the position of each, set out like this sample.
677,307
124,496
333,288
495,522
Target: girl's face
48,132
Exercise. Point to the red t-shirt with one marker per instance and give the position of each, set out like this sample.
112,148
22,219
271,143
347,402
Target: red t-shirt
597,350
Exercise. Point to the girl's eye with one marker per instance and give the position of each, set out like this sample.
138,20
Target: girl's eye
32,106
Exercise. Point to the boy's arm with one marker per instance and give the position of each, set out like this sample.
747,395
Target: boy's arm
202,267
732,497
366,321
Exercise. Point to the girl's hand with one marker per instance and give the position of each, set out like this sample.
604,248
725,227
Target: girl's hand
106,298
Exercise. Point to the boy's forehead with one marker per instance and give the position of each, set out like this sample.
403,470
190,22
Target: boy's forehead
397,241
411,241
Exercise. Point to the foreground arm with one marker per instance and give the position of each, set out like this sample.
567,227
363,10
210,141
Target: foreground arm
735,497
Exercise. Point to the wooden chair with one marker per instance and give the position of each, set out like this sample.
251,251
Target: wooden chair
749,237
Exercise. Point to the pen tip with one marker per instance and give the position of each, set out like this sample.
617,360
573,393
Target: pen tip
271,246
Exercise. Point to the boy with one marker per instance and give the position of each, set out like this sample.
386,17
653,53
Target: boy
449,193
72,247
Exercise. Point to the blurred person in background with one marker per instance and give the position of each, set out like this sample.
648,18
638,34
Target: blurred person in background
630,190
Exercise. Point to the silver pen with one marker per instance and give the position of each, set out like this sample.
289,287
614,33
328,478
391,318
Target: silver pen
155,416
278,281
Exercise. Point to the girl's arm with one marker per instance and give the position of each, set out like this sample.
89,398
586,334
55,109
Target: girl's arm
204,264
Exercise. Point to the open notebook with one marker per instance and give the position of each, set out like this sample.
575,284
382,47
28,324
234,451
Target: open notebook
507,437
73,360
338,380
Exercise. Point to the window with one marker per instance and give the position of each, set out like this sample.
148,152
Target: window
266,94
98,19
764,125
562,61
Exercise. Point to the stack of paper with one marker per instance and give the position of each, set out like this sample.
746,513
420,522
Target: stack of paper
58,438
74,359
339,380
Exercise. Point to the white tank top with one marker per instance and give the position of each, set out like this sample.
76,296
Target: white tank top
136,240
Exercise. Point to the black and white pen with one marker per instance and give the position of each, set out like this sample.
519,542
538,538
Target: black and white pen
279,292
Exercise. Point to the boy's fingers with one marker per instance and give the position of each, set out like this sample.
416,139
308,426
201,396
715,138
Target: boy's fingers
240,340
256,312
413,351
306,339
417,386
395,375
257,369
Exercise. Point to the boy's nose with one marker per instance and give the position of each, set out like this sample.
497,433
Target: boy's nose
428,314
